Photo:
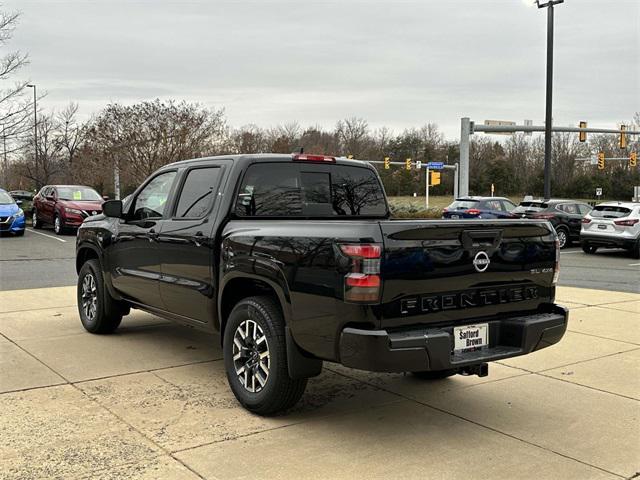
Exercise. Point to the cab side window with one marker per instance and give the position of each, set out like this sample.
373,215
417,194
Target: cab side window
198,192
152,199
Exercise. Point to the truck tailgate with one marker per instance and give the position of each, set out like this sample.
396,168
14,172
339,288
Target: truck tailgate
448,271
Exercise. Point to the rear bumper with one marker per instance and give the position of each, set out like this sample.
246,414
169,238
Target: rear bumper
422,349
608,241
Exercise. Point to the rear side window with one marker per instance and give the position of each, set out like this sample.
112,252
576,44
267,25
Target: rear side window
198,192
605,211
463,205
531,207
310,190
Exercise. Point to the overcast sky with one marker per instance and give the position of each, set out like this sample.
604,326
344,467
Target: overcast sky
394,63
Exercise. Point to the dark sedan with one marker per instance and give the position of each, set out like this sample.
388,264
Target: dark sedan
480,207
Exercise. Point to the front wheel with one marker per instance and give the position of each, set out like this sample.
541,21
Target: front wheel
255,357
58,226
99,312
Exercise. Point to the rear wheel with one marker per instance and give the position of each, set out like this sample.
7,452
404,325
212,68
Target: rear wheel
563,237
635,252
99,312
255,357
35,219
589,249
434,375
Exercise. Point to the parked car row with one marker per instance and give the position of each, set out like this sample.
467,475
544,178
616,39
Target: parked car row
612,224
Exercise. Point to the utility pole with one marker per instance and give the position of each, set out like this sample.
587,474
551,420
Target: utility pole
35,131
548,114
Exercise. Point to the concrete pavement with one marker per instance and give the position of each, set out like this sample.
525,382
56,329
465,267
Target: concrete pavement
152,401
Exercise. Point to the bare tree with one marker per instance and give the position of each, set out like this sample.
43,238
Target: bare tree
71,134
353,134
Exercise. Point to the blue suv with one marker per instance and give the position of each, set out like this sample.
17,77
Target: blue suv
480,207
11,215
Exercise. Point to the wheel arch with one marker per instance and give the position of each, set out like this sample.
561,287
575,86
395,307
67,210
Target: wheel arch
240,285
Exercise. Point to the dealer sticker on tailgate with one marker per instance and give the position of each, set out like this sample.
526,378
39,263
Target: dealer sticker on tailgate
470,337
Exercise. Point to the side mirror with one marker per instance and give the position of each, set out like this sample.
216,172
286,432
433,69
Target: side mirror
50,197
18,202
112,208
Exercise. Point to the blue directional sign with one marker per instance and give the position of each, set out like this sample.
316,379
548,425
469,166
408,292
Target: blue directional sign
436,165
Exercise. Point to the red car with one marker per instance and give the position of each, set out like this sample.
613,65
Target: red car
65,206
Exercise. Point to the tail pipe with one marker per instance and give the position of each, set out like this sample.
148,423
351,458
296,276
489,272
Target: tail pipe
481,370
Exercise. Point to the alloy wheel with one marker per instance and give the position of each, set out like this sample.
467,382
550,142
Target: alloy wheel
56,225
251,357
562,238
89,297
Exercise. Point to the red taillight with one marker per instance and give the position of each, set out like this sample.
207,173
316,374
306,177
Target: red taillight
362,280
543,216
472,211
362,250
586,220
626,223
303,157
362,283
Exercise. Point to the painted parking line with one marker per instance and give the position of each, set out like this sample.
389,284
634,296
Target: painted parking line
634,264
45,235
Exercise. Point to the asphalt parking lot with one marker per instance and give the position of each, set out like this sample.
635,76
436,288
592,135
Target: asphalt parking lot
152,401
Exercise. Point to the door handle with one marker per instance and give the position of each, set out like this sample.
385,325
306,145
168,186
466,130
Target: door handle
198,239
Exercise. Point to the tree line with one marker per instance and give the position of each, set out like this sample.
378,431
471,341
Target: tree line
138,139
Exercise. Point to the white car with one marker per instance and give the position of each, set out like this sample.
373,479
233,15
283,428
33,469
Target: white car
612,224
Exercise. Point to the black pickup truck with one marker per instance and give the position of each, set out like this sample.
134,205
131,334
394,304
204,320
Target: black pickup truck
294,260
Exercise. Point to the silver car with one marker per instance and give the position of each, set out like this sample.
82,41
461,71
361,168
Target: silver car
612,224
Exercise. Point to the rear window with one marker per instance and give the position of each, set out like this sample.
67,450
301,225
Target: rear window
604,211
531,207
310,190
463,205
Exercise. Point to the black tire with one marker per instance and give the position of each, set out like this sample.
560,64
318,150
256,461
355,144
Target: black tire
107,313
563,237
36,223
635,252
588,249
58,225
19,234
434,375
277,392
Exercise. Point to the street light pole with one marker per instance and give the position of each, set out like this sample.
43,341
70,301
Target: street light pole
35,130
548,114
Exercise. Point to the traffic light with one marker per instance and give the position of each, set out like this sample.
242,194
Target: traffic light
623,137
435,178
582,136
601,161
386,163
407,164
633,159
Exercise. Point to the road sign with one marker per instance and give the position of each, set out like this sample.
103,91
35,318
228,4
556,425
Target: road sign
500,123
593,160
418,164
528,123
598,192
435,178
435,165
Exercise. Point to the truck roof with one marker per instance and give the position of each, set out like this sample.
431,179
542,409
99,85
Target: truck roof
261,157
